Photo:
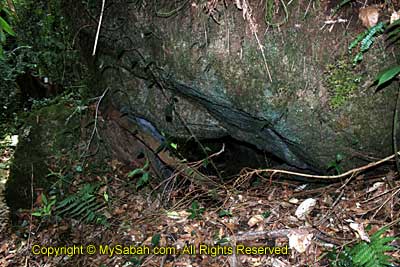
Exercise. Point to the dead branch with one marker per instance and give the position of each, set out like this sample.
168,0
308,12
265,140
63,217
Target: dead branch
248,174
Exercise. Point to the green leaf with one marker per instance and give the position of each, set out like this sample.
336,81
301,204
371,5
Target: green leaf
195,210
143,180
225,213
195,205
339,157
266,214
357,40
5,26
192,215
393,25
44,199
53,201
366,40
223,240
155,240
358,58
387,75
37,214
146,165
78,168
135,261
135,172
205,162
393,33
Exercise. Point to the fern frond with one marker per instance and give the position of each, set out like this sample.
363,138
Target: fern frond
82,205
356,41
67,201
366,254
92,207
366,39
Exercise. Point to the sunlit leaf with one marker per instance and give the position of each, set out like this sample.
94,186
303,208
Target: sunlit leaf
135,172
387,75
37,214
5,26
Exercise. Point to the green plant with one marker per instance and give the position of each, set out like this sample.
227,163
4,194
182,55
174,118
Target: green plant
386,76
5,27
335,164
134,261
145,175
393,32
342,82
365,254
47,206
155,240
83,205
168,144
43,27
223,240
195,210
266,214
225,213
365,40
42,45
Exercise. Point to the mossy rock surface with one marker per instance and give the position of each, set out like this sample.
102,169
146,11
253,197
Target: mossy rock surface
216,75
45,137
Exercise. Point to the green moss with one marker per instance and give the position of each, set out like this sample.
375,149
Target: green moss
45,138
342,81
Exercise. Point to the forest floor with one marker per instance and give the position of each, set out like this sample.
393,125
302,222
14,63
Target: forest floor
257,221
123,217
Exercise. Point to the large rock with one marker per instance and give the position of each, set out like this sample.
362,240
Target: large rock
50,135
188,73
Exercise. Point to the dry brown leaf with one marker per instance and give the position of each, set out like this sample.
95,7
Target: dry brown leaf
369,16
300,240
115,164
4,247
359,228
255,220
395,16
305,208
118,211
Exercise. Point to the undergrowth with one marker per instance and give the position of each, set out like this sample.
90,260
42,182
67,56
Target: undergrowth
365,254
83,205
342,82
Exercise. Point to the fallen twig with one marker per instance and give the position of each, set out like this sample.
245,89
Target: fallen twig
327,177
272,234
